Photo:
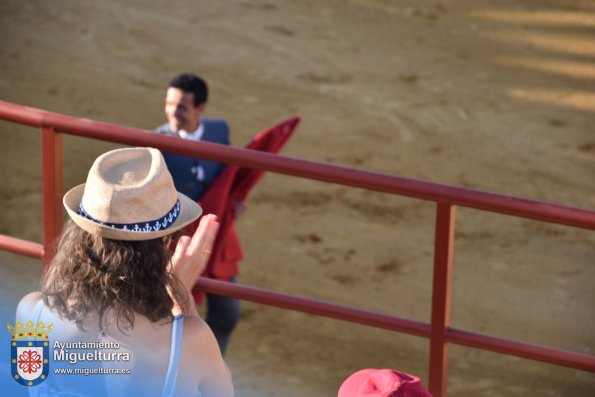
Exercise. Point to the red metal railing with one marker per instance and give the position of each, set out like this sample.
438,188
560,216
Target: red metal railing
447,198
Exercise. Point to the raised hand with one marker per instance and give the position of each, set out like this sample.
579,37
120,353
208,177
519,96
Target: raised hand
192,253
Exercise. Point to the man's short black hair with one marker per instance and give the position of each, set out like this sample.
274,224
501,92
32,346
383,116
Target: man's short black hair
189,82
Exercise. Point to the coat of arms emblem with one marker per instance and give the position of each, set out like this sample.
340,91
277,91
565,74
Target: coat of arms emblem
29,352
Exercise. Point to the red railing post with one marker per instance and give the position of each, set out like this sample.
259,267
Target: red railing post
441,297
51,148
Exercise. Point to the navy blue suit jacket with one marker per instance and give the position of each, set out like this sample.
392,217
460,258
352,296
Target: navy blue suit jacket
184,169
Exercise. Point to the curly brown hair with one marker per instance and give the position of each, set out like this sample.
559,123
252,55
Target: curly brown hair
91,274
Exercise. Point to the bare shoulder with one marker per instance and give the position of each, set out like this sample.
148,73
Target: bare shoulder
27,304
198,342
198,332
211,372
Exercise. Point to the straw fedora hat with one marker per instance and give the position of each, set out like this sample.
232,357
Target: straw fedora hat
130,195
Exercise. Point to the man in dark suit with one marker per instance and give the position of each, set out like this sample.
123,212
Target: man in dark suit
185,103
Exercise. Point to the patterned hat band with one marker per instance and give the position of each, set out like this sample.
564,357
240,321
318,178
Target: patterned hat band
146,226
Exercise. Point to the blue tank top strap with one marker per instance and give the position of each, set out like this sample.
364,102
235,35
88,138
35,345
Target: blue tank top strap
37,310
174,356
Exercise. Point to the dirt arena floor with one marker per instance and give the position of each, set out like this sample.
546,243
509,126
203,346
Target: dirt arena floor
490,95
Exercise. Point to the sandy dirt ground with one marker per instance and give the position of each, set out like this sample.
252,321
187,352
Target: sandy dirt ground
490,95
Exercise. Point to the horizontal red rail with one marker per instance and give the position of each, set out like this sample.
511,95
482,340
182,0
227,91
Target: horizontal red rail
365,317
22,247
520,349
312,306
379,320
520,207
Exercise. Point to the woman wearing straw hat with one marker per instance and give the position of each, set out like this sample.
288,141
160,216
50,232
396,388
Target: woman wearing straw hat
118,300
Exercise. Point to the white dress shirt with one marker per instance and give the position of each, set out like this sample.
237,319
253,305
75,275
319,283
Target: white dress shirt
195,135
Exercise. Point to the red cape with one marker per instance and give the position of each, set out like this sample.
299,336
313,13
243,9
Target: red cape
233,185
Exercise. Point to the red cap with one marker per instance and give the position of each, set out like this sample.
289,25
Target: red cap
382,383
